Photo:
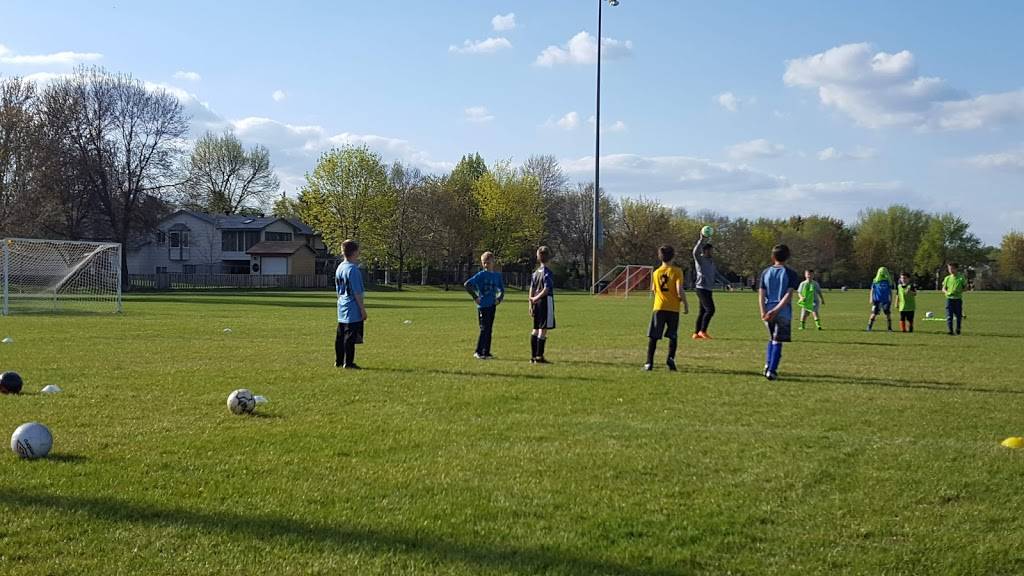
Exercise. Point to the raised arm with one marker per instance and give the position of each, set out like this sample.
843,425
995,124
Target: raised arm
699,246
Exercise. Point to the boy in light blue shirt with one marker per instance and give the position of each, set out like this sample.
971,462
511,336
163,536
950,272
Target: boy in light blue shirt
348,281
487,288
777,286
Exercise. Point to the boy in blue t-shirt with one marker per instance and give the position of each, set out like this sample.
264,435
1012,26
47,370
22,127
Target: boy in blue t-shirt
487,288
777,285
348,281
881,298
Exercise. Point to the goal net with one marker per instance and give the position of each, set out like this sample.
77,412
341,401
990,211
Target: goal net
625,279
60,276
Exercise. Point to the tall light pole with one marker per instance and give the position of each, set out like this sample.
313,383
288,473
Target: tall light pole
596,228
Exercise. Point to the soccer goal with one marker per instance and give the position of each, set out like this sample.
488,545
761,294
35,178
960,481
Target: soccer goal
625,279
60,276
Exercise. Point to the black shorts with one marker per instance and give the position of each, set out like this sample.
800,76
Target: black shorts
352,332
906,315
780,329
664,323
543,313
881,307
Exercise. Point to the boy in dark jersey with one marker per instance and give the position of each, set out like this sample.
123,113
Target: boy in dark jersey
542,306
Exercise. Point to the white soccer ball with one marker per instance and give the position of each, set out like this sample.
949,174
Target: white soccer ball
32,440
929,314
241,402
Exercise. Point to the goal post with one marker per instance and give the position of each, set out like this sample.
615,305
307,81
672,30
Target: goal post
60,276
625,279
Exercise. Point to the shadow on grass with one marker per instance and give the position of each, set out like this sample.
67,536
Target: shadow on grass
366,540
482,373
859,381
67,458
284,301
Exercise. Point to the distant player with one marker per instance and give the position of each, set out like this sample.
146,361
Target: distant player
775,295
542,306
667,284
953,287
810,299
348,282
881,298
704,286
906,302
487,288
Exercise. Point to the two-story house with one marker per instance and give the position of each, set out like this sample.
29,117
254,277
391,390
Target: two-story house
195,243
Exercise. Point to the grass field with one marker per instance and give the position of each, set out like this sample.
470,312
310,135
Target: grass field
875,454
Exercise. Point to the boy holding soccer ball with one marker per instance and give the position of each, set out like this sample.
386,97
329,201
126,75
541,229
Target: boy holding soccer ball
668,291
542,306
777,286
487,288
348,281
704,285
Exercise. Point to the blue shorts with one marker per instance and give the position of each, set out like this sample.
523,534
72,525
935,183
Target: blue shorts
880,307
780,329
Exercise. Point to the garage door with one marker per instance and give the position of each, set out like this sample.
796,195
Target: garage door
274,266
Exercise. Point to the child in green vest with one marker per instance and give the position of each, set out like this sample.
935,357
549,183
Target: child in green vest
906,302
810,299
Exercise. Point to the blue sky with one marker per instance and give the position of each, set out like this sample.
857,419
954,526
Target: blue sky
744,108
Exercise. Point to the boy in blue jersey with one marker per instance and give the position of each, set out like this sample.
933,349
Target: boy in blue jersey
348,282
542,306
487,288
881,298
777,285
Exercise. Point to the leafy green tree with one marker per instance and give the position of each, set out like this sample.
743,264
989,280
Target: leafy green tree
286,207
947,238
511,210
1011,258
347,196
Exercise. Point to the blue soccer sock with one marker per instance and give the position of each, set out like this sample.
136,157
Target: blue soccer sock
776,356
768,353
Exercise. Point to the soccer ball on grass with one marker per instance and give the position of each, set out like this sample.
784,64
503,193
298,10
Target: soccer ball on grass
241,402
11,383
31,441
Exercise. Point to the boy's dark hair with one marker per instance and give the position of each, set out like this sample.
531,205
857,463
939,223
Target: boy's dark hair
666,253
811,270
780,253
349,247
907,274
954,265
543,254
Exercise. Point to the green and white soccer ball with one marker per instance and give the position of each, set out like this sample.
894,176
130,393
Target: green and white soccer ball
241,402
707,231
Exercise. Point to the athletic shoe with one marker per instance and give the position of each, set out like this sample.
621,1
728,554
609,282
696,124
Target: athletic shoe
542,360
696,336
533,360
489,356
648,367
771,376
671,363
765,371
705,336
352,367
479,356
820,328
801,328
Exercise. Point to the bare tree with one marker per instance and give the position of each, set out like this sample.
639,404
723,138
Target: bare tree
126,141
19,153
222,177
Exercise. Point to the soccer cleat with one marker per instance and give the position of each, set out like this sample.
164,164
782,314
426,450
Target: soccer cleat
488,356
671,363
479,356
771,376
696,336
542,360
705,336
648,367
765,371
802,327
352,367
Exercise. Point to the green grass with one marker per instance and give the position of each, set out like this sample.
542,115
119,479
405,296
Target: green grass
875,454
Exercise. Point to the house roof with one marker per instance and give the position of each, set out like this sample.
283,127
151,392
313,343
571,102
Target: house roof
277,248
236,222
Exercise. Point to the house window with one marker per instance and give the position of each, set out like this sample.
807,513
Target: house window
161,269
188,268
175,240
278,236
161,237
238,240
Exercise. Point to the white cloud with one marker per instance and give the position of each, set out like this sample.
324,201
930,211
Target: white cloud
65,58
582,49
1012,160
478,115
279,96
501,23
879,89
44,77
759,148
187,76
729,101
617,126
488,46
570,121
700,184
858,153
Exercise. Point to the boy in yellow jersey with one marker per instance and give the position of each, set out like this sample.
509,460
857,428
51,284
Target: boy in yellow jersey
667,284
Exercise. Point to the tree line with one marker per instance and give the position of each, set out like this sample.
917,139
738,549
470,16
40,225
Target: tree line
102,156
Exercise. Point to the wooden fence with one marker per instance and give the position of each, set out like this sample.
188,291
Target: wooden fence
177,281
